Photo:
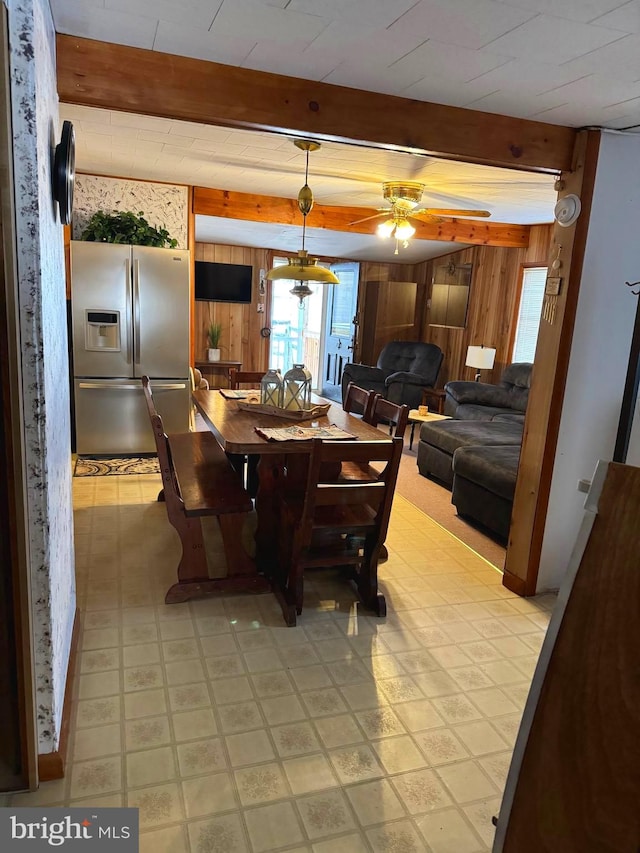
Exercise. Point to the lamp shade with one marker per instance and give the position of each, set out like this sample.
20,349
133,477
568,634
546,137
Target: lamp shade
303,268
481,358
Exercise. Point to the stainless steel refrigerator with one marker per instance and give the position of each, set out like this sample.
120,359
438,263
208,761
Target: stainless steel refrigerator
130,317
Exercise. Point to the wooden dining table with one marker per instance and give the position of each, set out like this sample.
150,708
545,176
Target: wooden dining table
235,430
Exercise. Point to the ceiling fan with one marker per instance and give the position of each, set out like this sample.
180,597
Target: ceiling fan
404,197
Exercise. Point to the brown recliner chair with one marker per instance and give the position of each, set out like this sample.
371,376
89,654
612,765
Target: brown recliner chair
404,368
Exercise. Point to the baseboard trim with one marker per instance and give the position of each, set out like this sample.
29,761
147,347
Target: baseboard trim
514,583
51,765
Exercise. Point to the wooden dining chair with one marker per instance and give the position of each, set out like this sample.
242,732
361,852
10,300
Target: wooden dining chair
394,414
336,523
247,466
251,378
359,401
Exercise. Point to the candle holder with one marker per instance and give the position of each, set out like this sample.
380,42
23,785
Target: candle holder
297,388
271,388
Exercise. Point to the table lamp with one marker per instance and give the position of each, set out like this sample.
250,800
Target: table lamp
481,358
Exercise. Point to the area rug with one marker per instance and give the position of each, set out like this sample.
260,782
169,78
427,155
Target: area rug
99,467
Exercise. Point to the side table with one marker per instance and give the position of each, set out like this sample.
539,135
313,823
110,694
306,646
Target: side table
416,418
429,395
211,367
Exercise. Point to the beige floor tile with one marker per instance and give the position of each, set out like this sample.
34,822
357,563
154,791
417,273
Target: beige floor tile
295,739
172,839
93,712
144,703
261,784
273,827
226,691
352,843
201,756
150,766
142,653
398,754
95,742
448,832
480,738
466,782
188,725
187,697
240,717
205,795
375,802
100,776
158,805
355,763
249,748
147,732
480,815
399,835
338,731
391,724
143,678
323,703
94,685
282,709
325,814
440,746
309,773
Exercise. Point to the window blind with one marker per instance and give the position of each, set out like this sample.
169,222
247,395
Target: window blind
531,296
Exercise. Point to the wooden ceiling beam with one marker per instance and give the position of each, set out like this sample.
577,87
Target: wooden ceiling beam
117,77
284,211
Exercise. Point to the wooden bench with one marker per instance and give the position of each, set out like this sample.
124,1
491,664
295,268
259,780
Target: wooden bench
198,481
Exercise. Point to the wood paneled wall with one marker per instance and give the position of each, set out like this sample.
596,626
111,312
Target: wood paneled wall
241,324
387,308
491,316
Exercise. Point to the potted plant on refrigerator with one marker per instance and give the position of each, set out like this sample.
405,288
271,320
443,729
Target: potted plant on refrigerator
214,333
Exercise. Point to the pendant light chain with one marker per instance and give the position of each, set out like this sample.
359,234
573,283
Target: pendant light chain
306,183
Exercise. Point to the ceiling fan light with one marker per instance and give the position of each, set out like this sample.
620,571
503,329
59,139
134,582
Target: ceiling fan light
404,230
385,229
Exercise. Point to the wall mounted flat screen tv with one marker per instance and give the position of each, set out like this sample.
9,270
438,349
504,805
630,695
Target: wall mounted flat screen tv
223,282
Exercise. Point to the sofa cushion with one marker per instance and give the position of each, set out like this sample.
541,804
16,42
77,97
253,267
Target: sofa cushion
493,468
509,418
473,412
449,435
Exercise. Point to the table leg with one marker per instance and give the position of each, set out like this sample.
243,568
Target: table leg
413,427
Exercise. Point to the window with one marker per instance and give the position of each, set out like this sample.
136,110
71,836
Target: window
531,296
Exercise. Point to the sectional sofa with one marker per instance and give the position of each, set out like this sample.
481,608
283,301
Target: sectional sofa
476,453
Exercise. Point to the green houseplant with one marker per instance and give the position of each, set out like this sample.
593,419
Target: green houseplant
214,333
126,227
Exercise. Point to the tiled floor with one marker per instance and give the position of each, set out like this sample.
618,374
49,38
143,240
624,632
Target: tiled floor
348,733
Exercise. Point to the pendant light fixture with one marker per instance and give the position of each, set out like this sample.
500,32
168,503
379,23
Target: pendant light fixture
303,268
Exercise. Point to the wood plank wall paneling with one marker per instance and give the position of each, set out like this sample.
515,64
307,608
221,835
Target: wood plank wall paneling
491,315
241,339
384,317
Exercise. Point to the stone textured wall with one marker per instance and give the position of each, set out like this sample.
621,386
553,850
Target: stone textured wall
43,330
163,205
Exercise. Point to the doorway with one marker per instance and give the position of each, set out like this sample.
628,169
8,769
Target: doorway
316,331
339,335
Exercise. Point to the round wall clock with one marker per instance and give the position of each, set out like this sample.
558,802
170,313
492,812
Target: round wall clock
64,172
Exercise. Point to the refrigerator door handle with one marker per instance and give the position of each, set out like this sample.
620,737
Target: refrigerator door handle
136,311
106,386
127,285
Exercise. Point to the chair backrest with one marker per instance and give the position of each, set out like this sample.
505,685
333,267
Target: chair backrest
351,500
244,377
169,482
391,413
412,357
359,401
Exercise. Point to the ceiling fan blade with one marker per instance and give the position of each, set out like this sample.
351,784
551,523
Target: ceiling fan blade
442,211
375,216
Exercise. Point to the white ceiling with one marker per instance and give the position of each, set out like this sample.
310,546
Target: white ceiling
572,62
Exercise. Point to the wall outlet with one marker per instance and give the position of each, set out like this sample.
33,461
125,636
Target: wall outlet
260,307
584,485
